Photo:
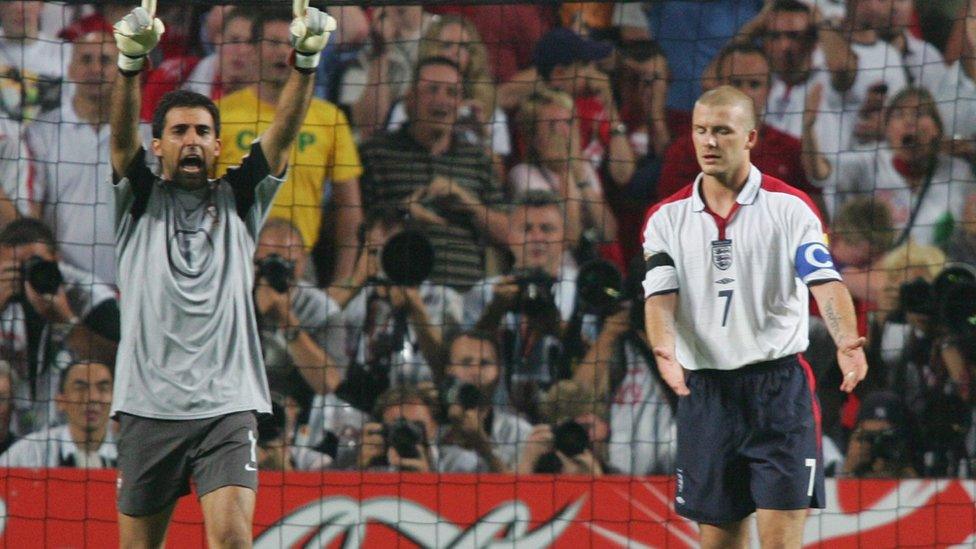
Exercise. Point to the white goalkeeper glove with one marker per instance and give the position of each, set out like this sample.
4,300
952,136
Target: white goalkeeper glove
310,31
136,35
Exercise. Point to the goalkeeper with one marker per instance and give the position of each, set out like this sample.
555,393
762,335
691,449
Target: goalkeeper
190,377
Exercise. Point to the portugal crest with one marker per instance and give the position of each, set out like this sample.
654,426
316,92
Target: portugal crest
722,254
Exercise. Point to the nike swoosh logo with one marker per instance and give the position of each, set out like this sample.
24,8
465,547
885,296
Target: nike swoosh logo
249,467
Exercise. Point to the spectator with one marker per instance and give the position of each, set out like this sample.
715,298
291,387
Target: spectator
380,75
8,382
639,407
530,306
692,34
924,65
395,330
565,61
494,432
85,441
804,50
324,151
554,164
882,444
406,437
226,70
69,145
51,311
854,118
509,31
573,439
956,93
15,169
445,184
860,235
301,330
644,88
31,60
480,121
745,68
925,189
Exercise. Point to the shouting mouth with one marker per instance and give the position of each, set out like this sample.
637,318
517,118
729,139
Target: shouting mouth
192,163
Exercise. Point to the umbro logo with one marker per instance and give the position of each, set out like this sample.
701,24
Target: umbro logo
725,281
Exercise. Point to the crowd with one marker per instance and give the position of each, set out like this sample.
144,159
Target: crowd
450,276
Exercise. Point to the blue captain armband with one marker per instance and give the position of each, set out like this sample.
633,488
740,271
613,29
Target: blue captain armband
814,257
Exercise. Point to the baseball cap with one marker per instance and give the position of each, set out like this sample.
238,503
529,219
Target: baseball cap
883,405
562,47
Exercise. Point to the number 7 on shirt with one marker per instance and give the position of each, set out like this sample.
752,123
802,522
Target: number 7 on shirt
727,294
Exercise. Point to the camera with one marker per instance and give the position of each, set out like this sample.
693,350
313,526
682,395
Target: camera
916,297
276,271
454,391
407,258
535,297
570,438
404,436
599,287
886,444
43,275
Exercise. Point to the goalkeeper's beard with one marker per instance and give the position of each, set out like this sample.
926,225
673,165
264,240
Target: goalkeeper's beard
192,178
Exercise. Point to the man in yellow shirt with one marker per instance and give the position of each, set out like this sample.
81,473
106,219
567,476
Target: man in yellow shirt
324,149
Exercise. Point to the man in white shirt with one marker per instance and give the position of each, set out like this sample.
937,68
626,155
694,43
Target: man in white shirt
85,441
70,151
33,55
729,262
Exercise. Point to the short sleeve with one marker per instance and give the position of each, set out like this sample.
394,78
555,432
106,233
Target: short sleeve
660,276
254,187
812,260
133,189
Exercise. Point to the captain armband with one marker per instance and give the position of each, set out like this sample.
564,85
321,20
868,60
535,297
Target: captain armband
658,260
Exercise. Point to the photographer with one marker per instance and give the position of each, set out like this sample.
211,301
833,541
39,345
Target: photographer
472,374
573,439
404,438
397,317
531,305
301,334
881,445
50,312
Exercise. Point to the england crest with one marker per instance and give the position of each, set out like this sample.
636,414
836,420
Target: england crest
722,254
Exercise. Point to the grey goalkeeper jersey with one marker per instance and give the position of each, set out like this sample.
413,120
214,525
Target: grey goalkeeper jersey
190,347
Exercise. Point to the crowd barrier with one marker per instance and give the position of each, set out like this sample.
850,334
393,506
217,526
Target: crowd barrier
76,508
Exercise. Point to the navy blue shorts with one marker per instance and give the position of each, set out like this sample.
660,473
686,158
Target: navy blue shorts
747,439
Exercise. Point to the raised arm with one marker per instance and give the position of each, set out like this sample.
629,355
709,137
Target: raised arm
310,30
136,35
837,308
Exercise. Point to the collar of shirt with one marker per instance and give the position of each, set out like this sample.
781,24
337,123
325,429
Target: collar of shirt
70,450
747,195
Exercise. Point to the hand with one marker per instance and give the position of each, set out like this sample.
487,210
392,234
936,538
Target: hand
505,291
617,323
270,303
137,34
310,31
419,465
418,211
853,365
671,370
10,281
451,192
371,444
405,297
52,307
537,443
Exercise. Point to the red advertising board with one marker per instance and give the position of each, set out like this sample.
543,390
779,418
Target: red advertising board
76,508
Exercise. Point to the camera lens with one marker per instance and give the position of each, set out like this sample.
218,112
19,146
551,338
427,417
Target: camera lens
404,436
276,271
570,438
43,275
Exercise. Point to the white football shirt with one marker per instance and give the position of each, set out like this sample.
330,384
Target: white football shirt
740,297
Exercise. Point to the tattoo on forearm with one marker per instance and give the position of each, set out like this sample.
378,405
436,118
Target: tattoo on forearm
833,319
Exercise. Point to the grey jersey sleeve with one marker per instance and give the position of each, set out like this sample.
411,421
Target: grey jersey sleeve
132,189
254,188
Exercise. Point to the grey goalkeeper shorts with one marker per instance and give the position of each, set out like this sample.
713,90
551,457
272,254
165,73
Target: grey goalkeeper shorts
157,458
